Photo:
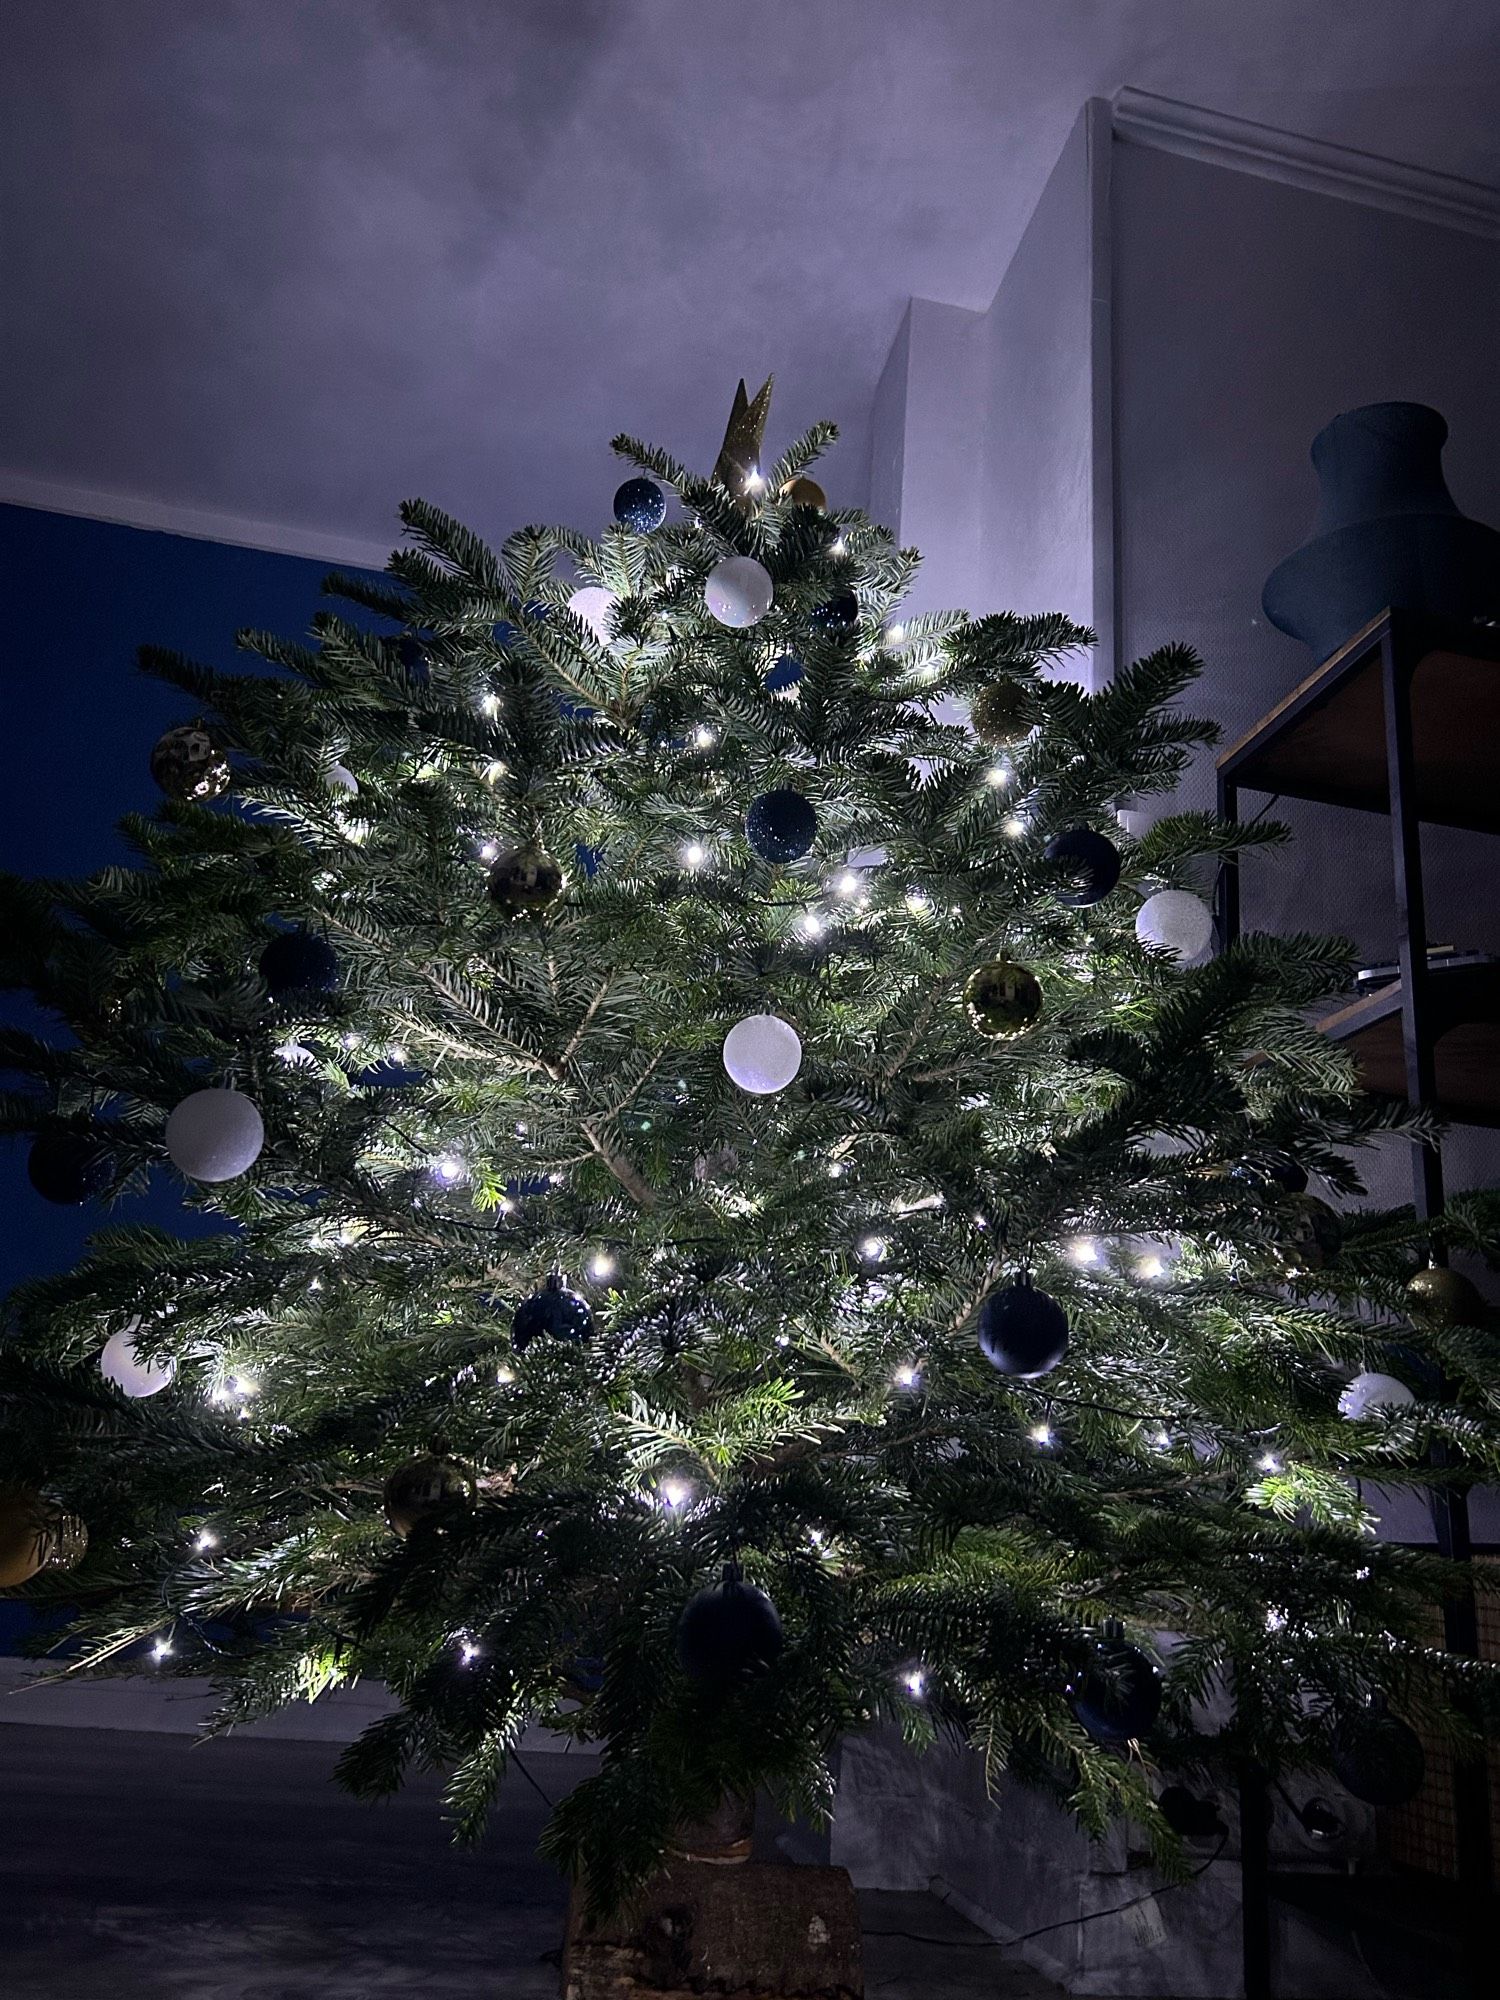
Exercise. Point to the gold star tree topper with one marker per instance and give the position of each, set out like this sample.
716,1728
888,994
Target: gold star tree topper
744,439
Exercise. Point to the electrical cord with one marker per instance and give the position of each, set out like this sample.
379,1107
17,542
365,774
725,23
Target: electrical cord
1067,1923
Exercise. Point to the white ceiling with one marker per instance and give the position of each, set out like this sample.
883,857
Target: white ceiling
287,261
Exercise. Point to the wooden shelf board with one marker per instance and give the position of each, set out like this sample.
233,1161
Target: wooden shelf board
1326,740
1464,1009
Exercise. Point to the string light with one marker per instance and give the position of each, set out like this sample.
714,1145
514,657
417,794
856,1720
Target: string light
836,1170
468,1652
162,1650
674,1493
293,1054
505,1376
895,634
838,546
755,481
206,1541
997,776
490,704
810,924
489,851
1013,827
1084,1250
602,1265
694,854
704,738
918,902
1040,1434
1269,1462
914,1680
1151,1267
847,884
872,1249
906,1376
448,1168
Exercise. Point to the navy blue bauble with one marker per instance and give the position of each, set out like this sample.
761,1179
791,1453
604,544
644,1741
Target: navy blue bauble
781,825
409,652
554,1311
299,962
641,506
1022,1332
786,673
729,1629
1388,532
1380,1759
69,1167
1089,863
1269,1170
839,613
1117,1696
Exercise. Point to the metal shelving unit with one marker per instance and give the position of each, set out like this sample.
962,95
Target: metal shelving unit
1404,720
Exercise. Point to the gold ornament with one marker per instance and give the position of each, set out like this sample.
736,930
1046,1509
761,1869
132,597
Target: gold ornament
1003,999
744,440
1444,1298
525,880
805,492
26,1535
998,714
424,1487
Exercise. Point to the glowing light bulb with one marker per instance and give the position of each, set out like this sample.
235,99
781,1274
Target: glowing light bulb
918,902
914,1680
468,1652
293,1054
489,850
1160,1440
755,481
1084,1250
505,1376
162,1650
704,738
206,1541
1040,1434
1013,827
836,1170
490,704
694,854
494,772
838,546
847,884
675,1492
906,1376
810,924
1269,1462
448,1168
602,1265
1151,1267
997,777
872,1249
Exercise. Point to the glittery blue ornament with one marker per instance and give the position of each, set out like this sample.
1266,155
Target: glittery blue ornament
781,825
299,962
554,1311
837,614
641,506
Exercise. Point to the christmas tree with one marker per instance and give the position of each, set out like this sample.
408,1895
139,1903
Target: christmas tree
749,1203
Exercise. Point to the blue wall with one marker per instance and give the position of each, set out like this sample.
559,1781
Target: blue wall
80,722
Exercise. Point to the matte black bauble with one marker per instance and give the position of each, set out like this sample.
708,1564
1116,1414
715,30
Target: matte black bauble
1117,1696
187,764
728,1629
641,506
423,1487
781,825
1022,1332
525,881
998,715
554,1311
1380,1759
839,613
1002,999
1088,863
69,1167
299,962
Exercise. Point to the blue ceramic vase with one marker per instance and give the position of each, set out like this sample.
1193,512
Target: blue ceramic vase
1387,533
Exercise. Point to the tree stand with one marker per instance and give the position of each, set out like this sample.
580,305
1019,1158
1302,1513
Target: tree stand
705,1932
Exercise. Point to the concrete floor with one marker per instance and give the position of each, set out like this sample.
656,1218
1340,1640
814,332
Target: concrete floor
138,1866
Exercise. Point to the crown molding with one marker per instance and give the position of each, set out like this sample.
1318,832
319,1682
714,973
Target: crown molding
202,524
1298,161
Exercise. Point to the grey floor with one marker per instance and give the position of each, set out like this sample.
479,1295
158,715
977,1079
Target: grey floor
136,1866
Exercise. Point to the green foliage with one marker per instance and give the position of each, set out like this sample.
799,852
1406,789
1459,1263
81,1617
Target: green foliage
785,1371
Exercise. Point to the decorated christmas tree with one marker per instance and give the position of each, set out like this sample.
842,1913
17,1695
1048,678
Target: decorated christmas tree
749,1203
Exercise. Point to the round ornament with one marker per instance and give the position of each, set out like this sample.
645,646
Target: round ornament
215,1135
1117,1696
805,492
1444,1298
424,1487
1089,864
553,1311
640,505
25,1535
132,1374
786,673
1268,1170
69,1167
738,592
781,825
1370,1392
728,1629
998,716
186,764
837,614
339,778
762,1054
1177,921
525,880
1379,1758
299,962
1022,1332
594,604
1002,999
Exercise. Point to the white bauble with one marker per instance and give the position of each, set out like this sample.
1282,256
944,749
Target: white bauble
131,1374
342,779
215,1135
593,604
1179,921
738,591
762,1053
1370,1391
